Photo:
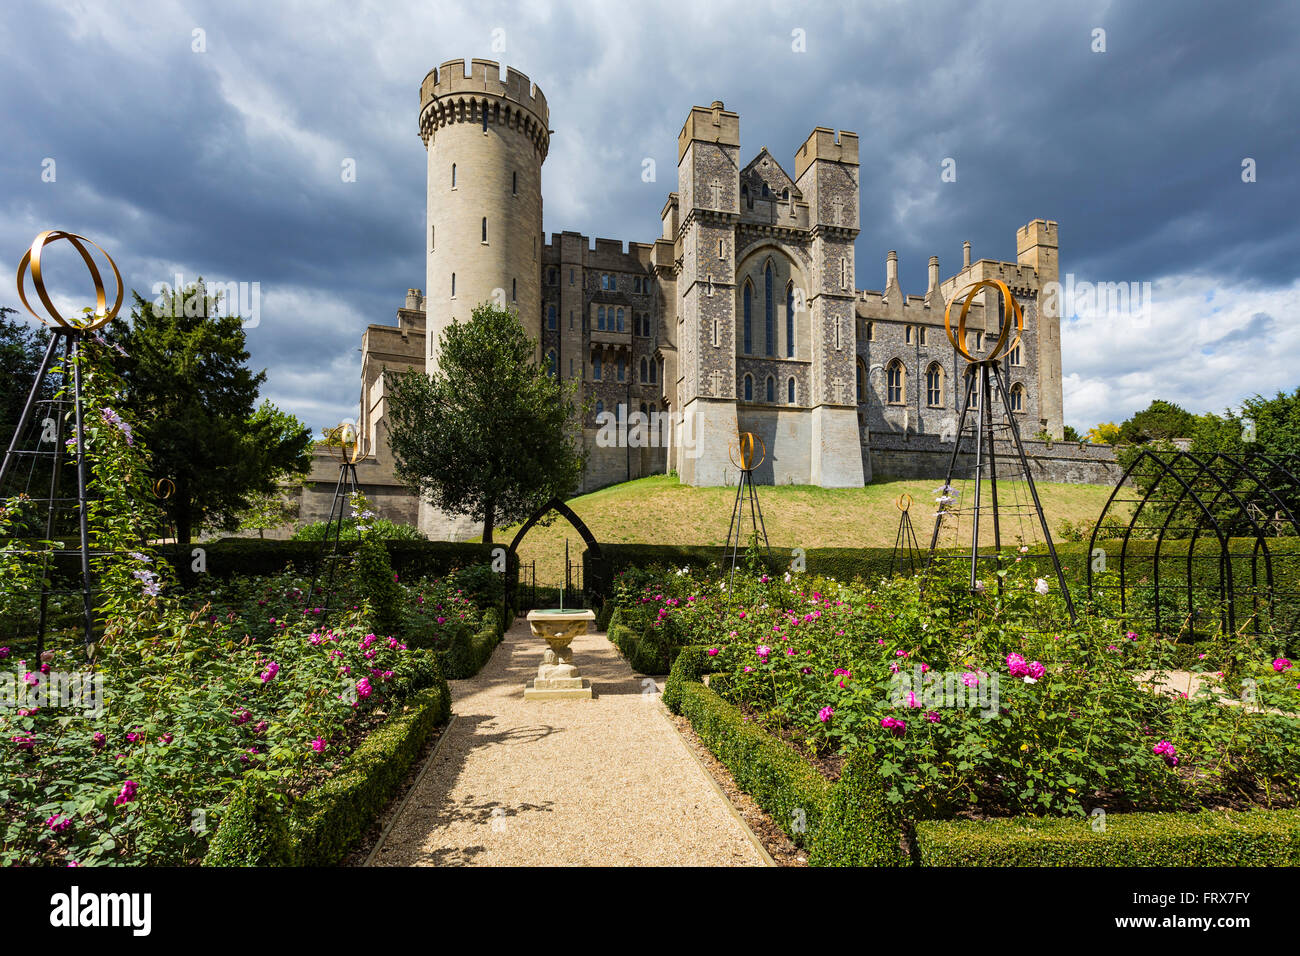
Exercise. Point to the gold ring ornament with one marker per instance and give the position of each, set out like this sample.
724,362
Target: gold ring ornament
32,257
164,488
750,450
903,502
1012,315
345,443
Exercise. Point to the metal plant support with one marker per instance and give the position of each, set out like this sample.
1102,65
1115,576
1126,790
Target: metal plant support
67,336
907,552
349,448
985,381
747,453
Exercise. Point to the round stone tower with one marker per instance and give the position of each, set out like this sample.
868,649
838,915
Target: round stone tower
486,135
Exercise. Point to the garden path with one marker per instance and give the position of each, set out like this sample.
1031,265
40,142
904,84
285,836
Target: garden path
606,781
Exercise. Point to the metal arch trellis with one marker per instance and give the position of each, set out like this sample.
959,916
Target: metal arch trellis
1180,496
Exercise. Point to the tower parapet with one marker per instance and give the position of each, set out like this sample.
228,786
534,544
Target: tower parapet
449,95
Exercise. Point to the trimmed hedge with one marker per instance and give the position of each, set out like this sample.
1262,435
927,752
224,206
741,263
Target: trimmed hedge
841,563
1250,838
860,827
470,651
645,654
781,782
253,556
254,831
320,828
788,789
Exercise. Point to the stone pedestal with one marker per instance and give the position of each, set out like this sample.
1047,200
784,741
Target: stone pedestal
557,677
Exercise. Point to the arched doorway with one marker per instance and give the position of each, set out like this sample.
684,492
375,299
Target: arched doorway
594,564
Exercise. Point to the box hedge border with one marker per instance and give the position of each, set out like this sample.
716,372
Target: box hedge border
1247,838
470,651
320,828
849,823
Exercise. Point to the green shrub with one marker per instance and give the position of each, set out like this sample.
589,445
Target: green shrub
647,654
374,581
379,527
860,827
1251,838
254,556
254,830
470,649
260,829
691,665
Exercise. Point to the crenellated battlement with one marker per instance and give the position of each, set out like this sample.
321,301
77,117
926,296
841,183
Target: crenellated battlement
828,145
484,77
451,95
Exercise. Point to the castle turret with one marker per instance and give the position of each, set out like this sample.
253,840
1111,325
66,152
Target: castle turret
708,188
1037,246
826,172
487,136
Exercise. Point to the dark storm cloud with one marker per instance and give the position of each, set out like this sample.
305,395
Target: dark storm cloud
227,162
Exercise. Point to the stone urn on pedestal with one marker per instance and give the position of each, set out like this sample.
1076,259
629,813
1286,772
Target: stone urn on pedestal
557,677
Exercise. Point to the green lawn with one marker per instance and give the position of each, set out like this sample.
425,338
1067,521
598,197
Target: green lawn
661,510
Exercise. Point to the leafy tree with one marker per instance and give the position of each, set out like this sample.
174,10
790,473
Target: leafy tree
268,510
1159,421
490,434
188,384
21,350
1104,433
1070,434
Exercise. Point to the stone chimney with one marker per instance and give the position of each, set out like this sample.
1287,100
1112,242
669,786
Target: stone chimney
934,275
965,254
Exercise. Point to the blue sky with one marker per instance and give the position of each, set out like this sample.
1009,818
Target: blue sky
219,152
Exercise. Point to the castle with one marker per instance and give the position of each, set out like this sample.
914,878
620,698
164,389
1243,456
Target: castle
743,315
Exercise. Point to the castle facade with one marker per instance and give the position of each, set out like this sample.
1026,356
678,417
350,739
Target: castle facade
742,315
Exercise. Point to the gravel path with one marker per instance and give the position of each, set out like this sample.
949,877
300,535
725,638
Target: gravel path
603,782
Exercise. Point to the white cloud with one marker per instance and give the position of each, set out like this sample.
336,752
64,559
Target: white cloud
1205,346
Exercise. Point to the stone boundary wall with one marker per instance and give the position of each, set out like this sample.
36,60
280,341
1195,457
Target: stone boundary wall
925,456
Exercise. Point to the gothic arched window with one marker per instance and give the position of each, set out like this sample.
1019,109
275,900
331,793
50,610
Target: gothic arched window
789,320
749,320
769,311
934,386
894,374
771,389
749,388
789,391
